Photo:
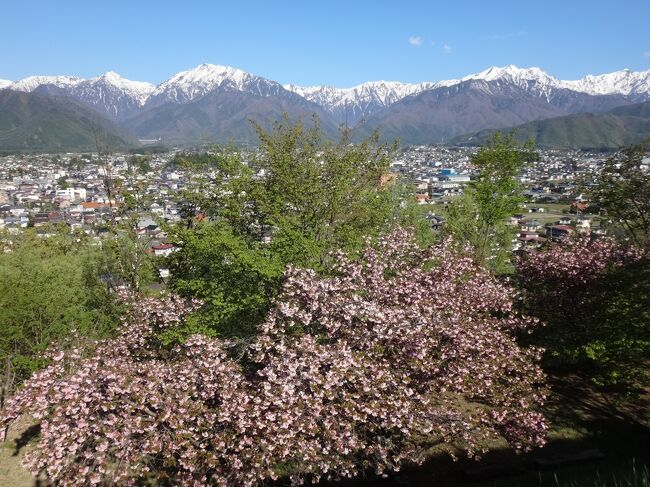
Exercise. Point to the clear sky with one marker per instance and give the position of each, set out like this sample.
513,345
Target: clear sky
328,42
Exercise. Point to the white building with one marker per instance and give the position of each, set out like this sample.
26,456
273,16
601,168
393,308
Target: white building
72,194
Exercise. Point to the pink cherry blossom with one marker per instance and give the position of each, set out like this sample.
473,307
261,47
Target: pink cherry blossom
400,348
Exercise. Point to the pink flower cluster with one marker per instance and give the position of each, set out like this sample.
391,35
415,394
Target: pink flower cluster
400,349
560,276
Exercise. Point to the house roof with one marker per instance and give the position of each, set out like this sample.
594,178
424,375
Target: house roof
163,246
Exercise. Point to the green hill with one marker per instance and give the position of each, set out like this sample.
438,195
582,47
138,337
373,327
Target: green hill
31,122
621,126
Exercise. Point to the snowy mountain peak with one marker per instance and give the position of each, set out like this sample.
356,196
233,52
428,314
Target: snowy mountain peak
138,90
5,83
194,83
624,82
211,72
514,74
32,82
111,75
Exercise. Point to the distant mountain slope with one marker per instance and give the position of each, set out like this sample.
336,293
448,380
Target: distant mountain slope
438,115
223,116
637,110
621,126
33,122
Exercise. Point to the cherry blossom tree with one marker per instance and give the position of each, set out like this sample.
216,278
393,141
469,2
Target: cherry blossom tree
400,348
594,296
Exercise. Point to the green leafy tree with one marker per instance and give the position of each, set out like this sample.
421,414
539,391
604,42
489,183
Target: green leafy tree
294,201
123,261
236,278
62,183
43,299
141,164
623,192
329,194
480,215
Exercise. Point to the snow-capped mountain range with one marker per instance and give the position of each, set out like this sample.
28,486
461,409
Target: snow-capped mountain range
109,94
624,82
220,102
371,96
359,100
118,97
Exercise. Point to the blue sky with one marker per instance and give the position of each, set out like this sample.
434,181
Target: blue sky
331,42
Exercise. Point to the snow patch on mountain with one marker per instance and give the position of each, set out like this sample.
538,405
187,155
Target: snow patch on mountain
5,83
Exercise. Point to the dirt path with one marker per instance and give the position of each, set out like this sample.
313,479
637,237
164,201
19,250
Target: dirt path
12,473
